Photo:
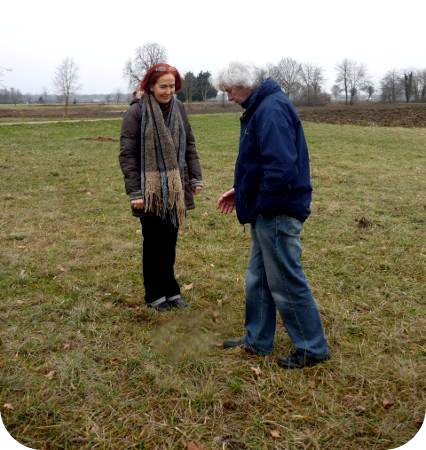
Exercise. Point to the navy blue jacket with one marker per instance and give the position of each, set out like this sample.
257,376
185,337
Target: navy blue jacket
272,174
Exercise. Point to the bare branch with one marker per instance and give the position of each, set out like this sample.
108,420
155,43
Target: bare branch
145,57
287,73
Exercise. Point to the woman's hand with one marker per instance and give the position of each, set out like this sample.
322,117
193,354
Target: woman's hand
137,204
196,189
226,202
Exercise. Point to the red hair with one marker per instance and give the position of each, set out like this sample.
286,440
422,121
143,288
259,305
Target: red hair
157,71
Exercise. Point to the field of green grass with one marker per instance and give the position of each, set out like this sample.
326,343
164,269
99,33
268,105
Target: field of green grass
85,365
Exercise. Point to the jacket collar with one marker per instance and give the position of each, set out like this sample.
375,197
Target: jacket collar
267,87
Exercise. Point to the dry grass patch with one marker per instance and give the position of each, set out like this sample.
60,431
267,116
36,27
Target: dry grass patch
85,365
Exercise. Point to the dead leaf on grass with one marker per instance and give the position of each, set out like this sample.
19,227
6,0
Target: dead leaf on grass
363,222
230,404
215,316
187,287
275,434
387,403
108,305
299,417
256,370
219,302
8,406
50,375
193,445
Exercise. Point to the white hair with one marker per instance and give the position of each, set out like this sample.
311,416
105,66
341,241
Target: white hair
239,74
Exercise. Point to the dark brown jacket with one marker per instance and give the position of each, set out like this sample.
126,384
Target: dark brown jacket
130,154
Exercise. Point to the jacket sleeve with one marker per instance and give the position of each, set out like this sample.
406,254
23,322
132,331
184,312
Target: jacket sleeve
191,156
276,140
129,158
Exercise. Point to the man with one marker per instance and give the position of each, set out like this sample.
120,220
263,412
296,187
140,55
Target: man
272,192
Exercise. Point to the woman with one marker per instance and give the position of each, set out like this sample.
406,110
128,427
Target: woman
161,172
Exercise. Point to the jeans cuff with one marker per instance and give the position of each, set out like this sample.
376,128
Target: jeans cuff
255,349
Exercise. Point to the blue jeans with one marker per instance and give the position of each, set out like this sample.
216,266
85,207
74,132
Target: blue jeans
275,281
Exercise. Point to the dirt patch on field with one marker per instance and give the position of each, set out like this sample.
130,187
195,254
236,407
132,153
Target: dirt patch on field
43,112
99,139
57,112
364,114
368,114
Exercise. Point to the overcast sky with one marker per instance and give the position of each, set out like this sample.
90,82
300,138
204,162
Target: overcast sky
102,35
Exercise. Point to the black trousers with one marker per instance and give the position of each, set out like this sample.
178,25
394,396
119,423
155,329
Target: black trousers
158,258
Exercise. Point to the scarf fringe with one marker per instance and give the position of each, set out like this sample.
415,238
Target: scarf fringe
176,195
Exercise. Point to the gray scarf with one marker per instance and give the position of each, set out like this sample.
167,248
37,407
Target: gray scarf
163,146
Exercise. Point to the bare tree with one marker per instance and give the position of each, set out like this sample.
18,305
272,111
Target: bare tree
357,79
312,80
16,96
343,73
287,73
146,56
369,89
307,73
317,81
117,95
336,90
408,85
351,77
66,80
419,85
423,82
391,86
44,95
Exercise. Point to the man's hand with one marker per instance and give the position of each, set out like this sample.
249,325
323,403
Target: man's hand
226,202
137,204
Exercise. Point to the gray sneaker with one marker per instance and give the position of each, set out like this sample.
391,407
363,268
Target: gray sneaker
176,302
160,304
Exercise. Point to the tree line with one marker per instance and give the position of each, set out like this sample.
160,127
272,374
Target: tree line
11,96
302,81
409,84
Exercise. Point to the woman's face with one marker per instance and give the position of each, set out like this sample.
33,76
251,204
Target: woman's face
164,88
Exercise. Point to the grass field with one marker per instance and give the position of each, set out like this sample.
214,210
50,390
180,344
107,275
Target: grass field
85,365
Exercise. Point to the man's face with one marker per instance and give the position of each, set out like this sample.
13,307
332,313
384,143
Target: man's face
237,94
